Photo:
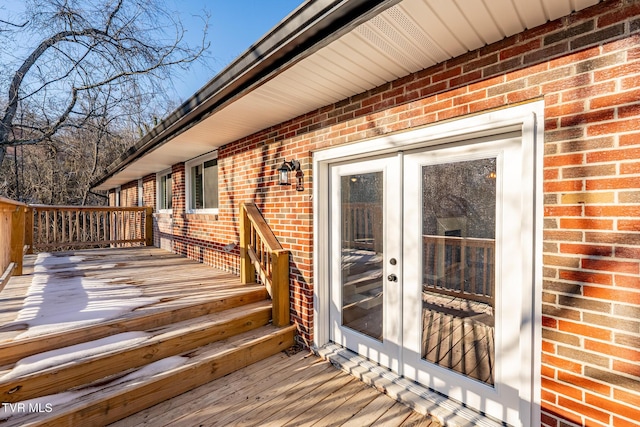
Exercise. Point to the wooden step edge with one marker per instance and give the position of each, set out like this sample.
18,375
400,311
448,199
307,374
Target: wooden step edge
12,351
110,405
163,342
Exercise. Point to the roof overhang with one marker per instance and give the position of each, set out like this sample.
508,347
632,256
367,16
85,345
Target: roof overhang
323,52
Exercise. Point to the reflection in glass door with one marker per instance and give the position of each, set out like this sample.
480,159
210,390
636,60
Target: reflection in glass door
362,253
458,264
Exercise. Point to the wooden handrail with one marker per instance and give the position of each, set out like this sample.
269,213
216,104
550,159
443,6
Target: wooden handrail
262,257
12,238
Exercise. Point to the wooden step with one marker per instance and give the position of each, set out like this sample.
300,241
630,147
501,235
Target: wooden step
144,318
104,402
145,347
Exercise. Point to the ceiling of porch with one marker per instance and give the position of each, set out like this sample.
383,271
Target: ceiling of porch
409,36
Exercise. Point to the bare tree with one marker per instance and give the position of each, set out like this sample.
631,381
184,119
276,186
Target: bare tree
85,61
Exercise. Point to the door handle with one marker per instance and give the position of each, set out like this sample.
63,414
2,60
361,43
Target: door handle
392,278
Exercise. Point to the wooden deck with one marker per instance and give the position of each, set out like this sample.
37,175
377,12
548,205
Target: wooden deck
283,390
174,281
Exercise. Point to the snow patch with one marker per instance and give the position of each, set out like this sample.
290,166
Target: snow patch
54,401
71,353
57,301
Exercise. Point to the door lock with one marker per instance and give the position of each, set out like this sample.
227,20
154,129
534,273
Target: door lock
392,278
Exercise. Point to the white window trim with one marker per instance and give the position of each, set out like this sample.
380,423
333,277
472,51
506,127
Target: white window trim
159,176
118,189
188,165
529,119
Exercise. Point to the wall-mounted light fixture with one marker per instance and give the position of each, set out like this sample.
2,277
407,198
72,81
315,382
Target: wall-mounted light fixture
283,174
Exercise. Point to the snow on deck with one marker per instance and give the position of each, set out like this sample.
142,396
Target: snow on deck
60,297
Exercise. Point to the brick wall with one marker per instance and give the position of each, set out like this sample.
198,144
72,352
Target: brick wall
586,68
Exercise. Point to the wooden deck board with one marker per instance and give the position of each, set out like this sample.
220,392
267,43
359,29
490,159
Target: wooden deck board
155,271
281,390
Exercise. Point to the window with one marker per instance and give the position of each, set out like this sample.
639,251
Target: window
164,190
202,177
140,192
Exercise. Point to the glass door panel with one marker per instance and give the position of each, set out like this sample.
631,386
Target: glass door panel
462,273
458,264
362,253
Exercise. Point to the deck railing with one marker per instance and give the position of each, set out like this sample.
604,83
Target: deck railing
460,267
262,257
12,238
69,227
28,228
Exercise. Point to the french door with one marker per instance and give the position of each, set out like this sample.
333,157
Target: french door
426,267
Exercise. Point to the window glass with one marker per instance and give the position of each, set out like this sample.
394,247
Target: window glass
210,183
204,185
196,187
166,201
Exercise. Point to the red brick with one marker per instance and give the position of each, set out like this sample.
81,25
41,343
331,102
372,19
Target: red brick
586,118
612,406
628,225
584,330
613,183
613,155
616,99
613,266
612,211
628,297
551,174
619,126
588,92
630,168
602,416
586,224
586,277
627,111
632,282
560,388
628,69
585,383
594,250
619,15
563,160
630,139
563,210
562,363
561,186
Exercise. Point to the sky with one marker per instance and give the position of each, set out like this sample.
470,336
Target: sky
234,25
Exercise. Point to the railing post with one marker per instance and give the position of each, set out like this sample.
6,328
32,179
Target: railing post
148,226
28,232
17,238
247,270
280,287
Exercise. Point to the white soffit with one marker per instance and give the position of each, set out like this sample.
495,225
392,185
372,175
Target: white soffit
408,37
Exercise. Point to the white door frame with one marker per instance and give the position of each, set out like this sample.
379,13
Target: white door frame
526,118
